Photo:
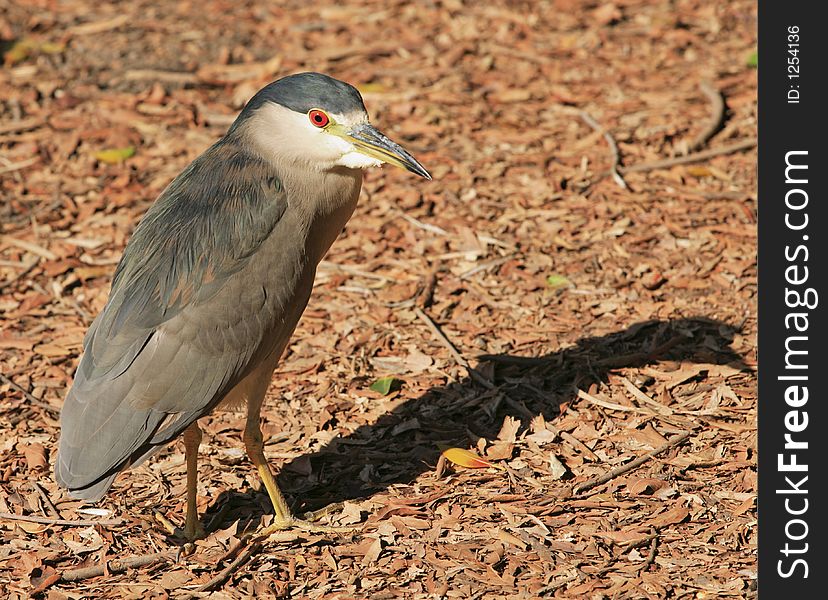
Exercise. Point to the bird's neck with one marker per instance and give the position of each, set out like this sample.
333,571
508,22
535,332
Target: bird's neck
321,201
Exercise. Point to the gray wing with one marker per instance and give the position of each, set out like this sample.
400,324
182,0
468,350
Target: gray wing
181,325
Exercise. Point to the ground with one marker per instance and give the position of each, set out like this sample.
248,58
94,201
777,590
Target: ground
556,319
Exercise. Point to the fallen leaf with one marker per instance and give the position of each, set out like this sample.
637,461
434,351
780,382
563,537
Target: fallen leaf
468,459
670,517
386,385
35,456
638,486
556,468
558,281
114,156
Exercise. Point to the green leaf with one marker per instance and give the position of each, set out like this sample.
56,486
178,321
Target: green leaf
753,60
557,281
113,156
386,385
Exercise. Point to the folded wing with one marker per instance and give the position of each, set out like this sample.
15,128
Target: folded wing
175,335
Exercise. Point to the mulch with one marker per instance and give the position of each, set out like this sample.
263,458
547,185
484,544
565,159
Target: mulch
573,298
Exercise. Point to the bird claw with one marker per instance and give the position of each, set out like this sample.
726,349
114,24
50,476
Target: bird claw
301,525
190,532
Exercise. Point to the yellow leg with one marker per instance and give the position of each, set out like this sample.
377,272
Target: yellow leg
192,438
283,517
255,450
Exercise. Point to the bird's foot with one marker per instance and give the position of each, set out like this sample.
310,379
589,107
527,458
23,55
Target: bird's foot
191,531
301,525
315,515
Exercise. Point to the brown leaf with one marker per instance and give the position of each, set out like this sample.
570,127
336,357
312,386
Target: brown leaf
35,454
674,515
637,486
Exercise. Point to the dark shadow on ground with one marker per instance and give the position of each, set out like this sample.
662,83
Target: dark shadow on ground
396,448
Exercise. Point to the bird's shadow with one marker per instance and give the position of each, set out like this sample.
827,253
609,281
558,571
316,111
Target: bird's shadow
404,443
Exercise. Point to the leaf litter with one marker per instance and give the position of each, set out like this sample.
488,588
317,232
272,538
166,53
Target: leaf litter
601,323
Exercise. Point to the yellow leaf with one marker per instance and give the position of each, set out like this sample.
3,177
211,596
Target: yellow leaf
371,88
114,156
19,51
470,460
697,171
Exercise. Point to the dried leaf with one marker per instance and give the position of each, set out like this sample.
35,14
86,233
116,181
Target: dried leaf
556,468
468,459
677,514
35,456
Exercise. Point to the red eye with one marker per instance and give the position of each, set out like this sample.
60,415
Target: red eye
318,118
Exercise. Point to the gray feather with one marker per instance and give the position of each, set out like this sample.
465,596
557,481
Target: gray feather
181,327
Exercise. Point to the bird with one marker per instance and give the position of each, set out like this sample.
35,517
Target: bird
212,284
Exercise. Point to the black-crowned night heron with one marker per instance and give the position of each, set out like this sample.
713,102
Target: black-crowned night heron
213,282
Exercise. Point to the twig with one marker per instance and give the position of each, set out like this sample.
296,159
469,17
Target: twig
426,296
53,510
331,266
610,405
717,115
29,396
227,571
616,156
118,566
29,247
19,165
652,554
458,358
487,265
22,125
179,77
424,226
633,464
54,521
96,27
691,158
21,274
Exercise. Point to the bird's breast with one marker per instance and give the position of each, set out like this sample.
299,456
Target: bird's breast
278,280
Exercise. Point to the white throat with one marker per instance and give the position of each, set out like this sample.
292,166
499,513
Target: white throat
285,137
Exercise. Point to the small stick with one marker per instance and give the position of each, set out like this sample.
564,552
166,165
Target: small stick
29,396
426,297
633,464
616,156
53,510
118,566
610,405
21,274
458,358
745,144
227,571
21,125
651,556
487,265
179,77
54,521
12,167
717,116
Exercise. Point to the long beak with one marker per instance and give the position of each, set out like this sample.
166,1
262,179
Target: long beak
371,142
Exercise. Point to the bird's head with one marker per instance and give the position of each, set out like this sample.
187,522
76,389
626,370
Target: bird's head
320,123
